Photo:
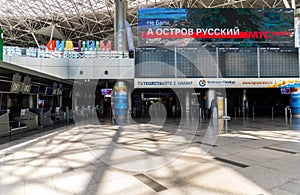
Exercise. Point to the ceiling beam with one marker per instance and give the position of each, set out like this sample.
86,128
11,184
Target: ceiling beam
293,4
286,4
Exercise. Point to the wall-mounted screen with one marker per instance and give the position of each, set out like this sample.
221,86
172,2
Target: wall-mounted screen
15,87
285,91
35,89
25,88
107,92
23,112
48,91
180,27
41,103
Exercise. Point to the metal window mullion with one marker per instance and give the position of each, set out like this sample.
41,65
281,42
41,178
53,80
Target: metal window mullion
175,62
299,62
258,62
217,62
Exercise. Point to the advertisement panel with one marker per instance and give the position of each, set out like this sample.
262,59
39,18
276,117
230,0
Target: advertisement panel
295,101
220,106
1,45
215,27
217,83
120,100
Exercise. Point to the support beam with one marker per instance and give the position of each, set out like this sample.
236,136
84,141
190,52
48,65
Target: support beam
37,43
293,4
52,30
286,4
120,17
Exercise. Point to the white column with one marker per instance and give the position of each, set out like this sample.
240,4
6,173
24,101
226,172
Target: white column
175,62
120,16
9,102
37,100
74,99
1,95
244,95
30,105
210,95
245,103
225,107
60,101
258,61
187,102
299,60
129,102
217,62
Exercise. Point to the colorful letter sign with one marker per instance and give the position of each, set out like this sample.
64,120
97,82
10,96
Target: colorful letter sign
82,46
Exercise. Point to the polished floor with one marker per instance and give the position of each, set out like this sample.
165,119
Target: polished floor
176,156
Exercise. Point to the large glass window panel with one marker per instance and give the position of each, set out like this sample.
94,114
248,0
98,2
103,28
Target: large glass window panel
279,62
238,62
196,62
154,63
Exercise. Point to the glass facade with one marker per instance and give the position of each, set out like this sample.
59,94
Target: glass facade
196,62
238,62
276,62
155,63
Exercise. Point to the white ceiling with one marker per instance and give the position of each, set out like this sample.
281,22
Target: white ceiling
89,19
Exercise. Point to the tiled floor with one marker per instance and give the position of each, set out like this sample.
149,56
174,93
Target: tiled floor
243,156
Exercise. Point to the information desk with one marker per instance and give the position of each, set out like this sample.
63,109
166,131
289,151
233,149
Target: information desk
29,117
44,117
59,115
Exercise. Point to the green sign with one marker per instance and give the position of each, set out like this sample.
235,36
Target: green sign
1,45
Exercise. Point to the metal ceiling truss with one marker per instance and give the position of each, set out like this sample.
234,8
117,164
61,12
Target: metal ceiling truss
91,19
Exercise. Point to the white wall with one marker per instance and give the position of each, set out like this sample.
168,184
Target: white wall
88,68
55,66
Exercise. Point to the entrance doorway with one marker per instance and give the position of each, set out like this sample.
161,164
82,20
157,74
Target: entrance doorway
143,99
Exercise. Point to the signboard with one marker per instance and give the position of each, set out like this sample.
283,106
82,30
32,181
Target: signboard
217,83
120,101
220,106
1,45
68,45
26,85
16,83
106,92
15,87
285,91
215,27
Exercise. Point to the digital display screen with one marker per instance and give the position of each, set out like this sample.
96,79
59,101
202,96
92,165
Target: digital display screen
107,92
23,112
182,27
35,89
285,91
41,103
49,91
